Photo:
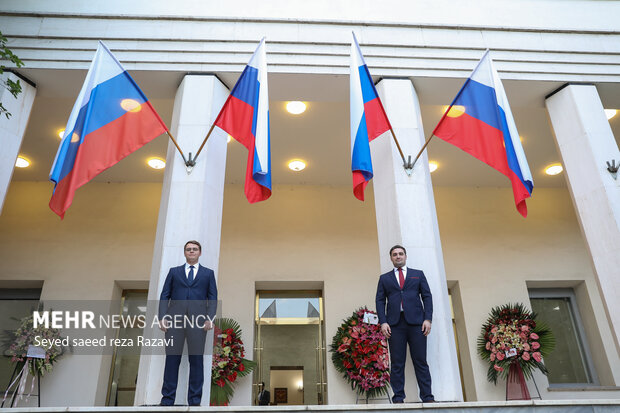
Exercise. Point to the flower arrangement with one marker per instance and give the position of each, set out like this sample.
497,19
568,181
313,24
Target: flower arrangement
359,351
25,337
510,336
228,361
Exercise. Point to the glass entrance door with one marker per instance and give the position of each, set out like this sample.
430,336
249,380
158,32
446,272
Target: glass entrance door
124,369
290,338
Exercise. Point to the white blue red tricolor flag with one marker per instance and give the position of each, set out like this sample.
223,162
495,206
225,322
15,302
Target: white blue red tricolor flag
245,117
111,118
479,121
368,119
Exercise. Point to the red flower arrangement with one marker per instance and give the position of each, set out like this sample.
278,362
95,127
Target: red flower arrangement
228,361
359,351
511,336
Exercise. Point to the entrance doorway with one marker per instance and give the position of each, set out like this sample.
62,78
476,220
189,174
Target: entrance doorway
124,368
289,347
288,385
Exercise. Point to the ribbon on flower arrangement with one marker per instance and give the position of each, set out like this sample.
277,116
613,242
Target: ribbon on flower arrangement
20,382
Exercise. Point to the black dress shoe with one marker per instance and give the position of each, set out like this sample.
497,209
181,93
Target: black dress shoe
398,401
429,401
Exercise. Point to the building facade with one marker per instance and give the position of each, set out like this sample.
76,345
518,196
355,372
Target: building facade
312,245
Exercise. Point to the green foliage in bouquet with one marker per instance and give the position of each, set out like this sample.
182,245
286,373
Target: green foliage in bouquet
228,361
510,335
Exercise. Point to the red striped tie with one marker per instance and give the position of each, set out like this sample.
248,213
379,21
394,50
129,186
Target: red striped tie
401,278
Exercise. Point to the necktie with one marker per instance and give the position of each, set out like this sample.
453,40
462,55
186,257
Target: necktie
190,276
401,278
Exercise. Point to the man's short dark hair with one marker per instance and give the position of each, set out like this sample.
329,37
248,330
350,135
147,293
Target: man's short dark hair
396,247
195,243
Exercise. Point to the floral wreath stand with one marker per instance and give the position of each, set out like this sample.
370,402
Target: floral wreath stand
365,399
516,384
19,378
514,343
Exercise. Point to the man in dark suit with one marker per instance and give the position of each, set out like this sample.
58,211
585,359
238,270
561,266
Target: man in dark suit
407,295
263,395
187,307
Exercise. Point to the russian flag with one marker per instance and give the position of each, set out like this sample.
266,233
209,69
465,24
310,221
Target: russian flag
368,119
479,121
245,117
110,119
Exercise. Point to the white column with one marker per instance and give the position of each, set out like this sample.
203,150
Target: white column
586,142
12,129
190,208
406,215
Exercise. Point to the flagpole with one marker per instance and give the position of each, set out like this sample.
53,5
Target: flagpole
177,145
422,150
203,144
402,155
431,137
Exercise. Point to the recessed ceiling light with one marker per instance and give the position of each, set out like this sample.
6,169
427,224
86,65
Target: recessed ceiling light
554,169
74,138
296,165
455,111
131,105
156,163
295,107
432,166
22,162
610,113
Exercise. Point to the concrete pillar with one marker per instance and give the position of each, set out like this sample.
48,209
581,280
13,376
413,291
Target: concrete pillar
406,215
586,142
190,208
12,129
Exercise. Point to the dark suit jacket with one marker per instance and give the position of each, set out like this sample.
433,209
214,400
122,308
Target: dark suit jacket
415,293
179,297
264,398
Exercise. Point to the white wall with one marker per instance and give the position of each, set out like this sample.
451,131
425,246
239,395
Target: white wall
493,254
304,233
509,14
107,236
542,40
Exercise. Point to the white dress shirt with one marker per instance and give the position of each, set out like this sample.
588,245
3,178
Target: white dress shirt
195,270
396,274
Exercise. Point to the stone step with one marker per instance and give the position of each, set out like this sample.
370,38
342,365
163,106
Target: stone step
530,406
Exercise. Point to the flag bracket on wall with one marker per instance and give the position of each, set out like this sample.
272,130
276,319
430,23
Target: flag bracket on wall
190,163
408,165
612,168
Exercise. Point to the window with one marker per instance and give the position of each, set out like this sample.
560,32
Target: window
15,304
570,363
